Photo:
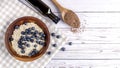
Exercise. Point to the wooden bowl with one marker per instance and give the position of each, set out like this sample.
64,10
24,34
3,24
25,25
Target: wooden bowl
20,21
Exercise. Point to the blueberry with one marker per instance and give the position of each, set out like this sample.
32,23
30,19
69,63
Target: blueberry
27,38
42,43
24,43
37,42
33,52
48,52
32,36
23,33
25,22
16,27
28,45
70,43
29,33
21,37
31,40
20,42
11,39
32,28
53,34
42,38
30,54
27,30
22,51
35,45
40,33
24,39
63,49
54,45
37,38
36,31
43,35
20,46
58,36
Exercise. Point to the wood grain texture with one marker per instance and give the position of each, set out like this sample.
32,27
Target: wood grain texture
98,46
87,5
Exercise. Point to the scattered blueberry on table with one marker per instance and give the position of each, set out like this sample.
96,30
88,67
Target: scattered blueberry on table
63,49
53,34
49,52
58,36
70,43
54,45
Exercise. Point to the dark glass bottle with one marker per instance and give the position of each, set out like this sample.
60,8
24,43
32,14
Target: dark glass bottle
44,9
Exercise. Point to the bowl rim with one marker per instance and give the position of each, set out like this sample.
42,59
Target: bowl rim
10,31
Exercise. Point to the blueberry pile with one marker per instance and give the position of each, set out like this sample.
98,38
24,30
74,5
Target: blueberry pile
31,35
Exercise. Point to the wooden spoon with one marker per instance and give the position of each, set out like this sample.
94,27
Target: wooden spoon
68,16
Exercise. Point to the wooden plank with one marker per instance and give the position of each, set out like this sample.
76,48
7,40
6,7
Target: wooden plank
94,36
93,47
84,64
96,20
87,5
88,55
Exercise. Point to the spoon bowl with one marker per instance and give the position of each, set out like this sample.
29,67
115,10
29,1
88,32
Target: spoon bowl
68,16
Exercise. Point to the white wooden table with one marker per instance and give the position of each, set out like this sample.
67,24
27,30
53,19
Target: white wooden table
99,45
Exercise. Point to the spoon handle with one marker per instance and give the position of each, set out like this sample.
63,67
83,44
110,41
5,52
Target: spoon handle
58,5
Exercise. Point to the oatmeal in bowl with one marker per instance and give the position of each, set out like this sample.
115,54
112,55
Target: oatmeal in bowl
27,38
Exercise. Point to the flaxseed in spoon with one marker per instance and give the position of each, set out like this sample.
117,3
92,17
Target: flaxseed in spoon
69,17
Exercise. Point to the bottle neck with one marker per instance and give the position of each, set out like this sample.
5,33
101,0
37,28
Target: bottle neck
44,9
53,17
